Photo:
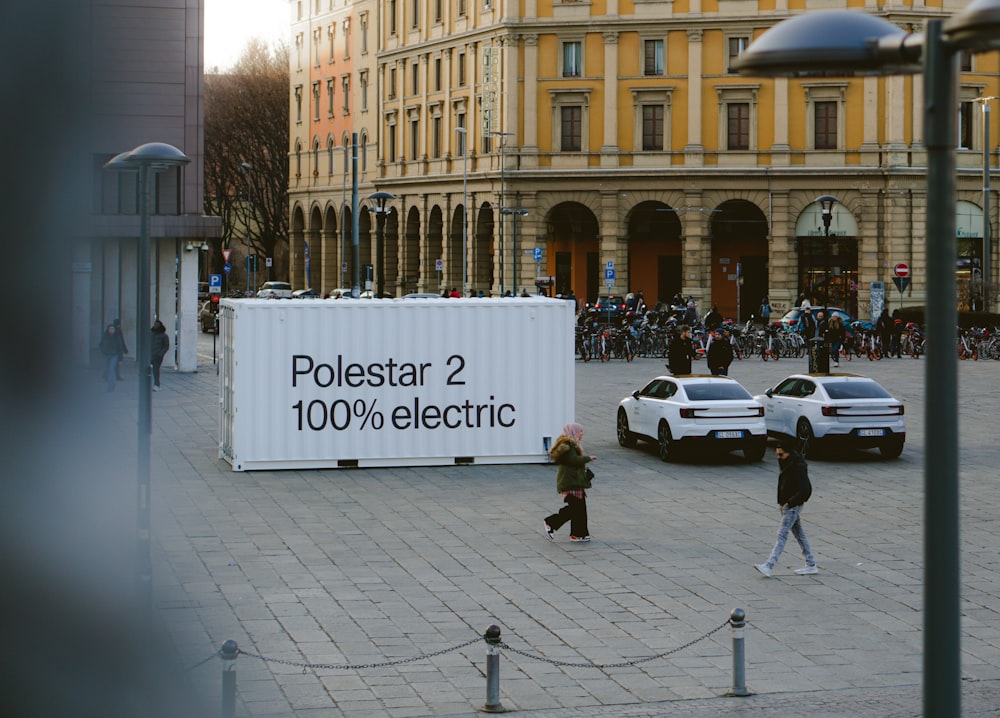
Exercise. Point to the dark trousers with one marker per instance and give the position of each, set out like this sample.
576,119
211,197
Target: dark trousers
575,511
157,363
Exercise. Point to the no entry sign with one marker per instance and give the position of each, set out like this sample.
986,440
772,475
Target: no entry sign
902,269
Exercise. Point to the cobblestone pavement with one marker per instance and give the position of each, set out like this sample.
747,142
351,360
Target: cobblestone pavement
375,566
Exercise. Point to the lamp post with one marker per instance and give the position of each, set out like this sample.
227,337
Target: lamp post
836,43
146,159
503,145
245,168
987,251
826,203
378,200
515,212
465,203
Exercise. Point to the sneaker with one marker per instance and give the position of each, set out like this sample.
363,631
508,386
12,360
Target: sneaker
807,570
156,387
549,532
763,568
579,539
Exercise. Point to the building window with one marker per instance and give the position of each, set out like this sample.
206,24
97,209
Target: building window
363,149
315,156
315,100
966,113
330,147
825,105
965,61
825,135
738,126
392,17
652,127
414,138
735,45
461,69
392,142
364,33
461,8
652,63
331,34
330,87
298,158
347,38
572,59
571,129
437,10
415,12
436,136
460,122
299,42
437,74
345,83
415,76
737,116
298,103
364,90
316,45
392,83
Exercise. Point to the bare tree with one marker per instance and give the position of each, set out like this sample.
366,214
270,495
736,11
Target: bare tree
246,157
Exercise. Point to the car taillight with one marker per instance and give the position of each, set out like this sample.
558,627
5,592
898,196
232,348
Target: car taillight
899,409
687,413
829,411
760,411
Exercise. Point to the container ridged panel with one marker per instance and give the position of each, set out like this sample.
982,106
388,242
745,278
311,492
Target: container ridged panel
322,383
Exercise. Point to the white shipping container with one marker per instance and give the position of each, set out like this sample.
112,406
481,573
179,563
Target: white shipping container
404,382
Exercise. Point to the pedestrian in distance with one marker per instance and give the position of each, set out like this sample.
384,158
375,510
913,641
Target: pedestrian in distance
835,335
158,347
680,352
110,348
691,314
713,320
572,481
794,490
122,349
764,312
720,354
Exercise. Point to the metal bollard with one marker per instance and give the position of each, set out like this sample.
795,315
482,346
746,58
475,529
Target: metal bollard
737,619
229,653
493,704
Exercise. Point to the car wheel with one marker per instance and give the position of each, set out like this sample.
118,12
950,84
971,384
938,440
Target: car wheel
755,449
891,449
625,437
804,433
668,447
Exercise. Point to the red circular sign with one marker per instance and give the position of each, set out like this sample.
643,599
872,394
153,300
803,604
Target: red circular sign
902,269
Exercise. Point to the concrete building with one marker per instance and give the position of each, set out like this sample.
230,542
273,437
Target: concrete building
145,85
629,156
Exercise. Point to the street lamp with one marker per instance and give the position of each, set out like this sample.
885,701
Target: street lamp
503,145
826,203
245,168
378,200
515,212
465,204
846,43
987,252
146,159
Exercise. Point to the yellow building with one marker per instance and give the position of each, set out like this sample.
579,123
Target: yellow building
612,148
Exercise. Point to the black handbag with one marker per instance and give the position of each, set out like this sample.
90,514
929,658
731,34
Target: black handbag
590,474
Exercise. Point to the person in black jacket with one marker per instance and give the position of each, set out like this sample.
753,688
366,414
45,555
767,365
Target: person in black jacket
159,347
680,352
794,489
720,354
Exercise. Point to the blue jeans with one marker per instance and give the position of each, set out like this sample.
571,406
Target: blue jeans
111,371
791,520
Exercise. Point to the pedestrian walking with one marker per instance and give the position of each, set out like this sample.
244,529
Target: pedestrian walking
720,354
835,335
110,349
160,345
680,352
122,349
572,481
794,490
764,313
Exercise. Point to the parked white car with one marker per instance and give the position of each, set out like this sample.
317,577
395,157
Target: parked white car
843,409
275,290
714,412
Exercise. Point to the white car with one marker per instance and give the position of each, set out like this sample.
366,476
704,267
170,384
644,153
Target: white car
714,412
844,409
275,290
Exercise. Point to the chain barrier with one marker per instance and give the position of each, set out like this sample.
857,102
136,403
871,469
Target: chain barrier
359,666
622,664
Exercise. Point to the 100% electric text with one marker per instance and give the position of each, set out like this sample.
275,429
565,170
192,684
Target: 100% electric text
318,415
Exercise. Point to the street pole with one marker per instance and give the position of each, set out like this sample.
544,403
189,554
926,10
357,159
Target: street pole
503,199
245,168
465,203
987,250
355,228
379,200
515,212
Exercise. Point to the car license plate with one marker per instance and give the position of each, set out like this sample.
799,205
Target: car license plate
729,435
871,432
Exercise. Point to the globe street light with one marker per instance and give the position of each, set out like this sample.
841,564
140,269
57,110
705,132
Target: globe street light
515,212
826,203
379,200
145,159
836,43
